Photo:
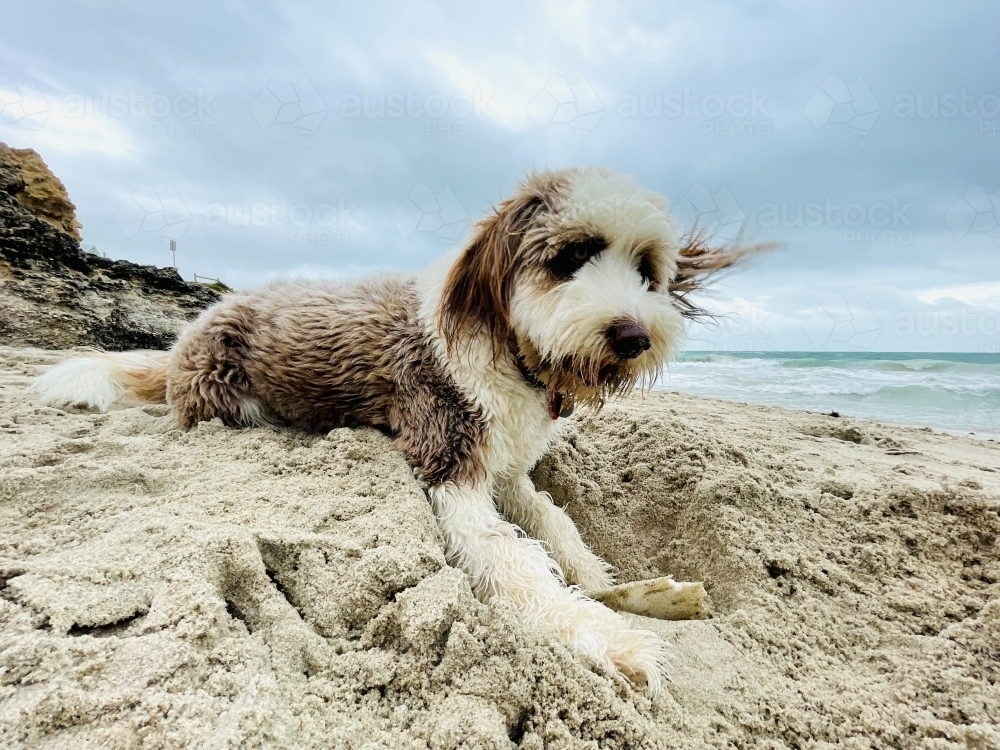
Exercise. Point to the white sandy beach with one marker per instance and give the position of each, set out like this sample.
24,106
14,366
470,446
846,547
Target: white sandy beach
260,588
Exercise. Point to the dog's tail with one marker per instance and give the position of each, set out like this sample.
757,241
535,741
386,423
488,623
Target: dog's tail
102,379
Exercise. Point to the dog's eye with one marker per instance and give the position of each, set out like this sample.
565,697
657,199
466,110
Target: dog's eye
647,271
574,255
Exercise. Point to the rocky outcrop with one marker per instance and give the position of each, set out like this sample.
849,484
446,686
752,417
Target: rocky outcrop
39,191
54,295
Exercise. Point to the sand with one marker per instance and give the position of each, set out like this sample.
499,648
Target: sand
260,588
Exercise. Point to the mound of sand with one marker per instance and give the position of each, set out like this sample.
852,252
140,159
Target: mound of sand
258,588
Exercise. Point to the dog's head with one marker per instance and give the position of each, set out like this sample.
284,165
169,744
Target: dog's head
581,278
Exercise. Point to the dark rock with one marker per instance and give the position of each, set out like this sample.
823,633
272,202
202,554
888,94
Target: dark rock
54,295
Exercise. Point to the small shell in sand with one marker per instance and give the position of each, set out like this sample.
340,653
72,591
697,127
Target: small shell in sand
662,598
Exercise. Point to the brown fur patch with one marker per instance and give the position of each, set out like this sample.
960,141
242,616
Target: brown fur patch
148,383
476,294
207,374
321,355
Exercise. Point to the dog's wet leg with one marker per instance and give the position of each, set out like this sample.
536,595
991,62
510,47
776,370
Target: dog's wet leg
535,512
206,376
503,562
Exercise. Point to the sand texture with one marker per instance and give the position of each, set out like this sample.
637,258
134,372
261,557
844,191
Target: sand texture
272,589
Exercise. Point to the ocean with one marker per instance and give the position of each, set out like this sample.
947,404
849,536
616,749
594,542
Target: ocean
951,392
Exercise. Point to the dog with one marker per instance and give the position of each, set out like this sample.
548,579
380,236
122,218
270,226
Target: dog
573,290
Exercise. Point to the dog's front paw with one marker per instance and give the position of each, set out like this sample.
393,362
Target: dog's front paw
594,630
589,572
641,656
583,568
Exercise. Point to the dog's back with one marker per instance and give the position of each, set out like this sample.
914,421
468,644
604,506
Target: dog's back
317,354
310,353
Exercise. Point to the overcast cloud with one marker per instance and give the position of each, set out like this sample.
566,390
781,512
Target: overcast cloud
313,139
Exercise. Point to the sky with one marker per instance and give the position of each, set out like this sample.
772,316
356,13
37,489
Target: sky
338,139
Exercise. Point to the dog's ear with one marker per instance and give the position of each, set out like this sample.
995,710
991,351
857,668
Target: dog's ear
476,294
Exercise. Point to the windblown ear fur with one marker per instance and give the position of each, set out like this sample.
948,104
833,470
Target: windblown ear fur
476,294
699,263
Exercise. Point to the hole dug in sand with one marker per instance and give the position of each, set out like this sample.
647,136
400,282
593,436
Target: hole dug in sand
850,604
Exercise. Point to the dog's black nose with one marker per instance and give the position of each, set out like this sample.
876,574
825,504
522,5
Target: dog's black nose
628,339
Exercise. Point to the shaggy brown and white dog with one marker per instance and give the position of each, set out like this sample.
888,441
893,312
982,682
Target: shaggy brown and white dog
570,291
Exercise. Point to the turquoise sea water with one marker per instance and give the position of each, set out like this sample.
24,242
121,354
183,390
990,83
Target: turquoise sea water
953,392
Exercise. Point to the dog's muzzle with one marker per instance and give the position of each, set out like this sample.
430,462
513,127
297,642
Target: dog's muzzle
628,339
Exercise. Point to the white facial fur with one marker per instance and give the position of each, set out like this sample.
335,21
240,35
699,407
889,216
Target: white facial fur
570,318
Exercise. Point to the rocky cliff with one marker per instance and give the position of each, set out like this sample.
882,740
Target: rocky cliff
54,295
